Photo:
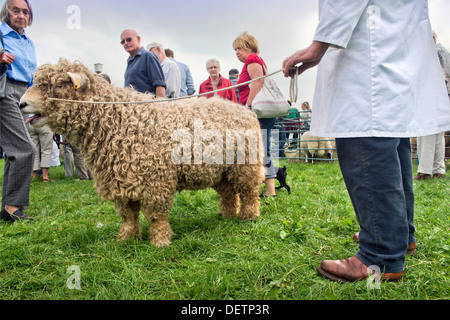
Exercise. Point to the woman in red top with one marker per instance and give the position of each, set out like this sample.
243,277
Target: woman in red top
247,51
216,81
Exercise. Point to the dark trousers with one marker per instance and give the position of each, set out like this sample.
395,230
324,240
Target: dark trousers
267,125
378,176
18,147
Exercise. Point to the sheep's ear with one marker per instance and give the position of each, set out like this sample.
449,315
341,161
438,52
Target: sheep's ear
79,80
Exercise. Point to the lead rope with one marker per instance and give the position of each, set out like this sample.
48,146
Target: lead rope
293,93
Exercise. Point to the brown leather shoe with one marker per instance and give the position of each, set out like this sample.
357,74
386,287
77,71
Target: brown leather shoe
438,175
422,176
412,247
351,269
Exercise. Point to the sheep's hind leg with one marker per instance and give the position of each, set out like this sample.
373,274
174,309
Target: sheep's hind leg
129,211
250,204
229,200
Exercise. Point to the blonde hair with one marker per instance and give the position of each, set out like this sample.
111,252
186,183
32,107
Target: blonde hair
306,104
247,41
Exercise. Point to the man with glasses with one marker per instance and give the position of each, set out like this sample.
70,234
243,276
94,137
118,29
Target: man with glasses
144,72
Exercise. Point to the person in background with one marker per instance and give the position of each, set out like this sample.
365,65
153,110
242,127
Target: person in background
143,72
170,69
73,155
106,77
357,101
233,75
42,138
216,81
292,127
19,54
305,114
431,148
187,87
247,51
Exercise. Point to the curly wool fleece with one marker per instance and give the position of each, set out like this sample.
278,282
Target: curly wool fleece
130,148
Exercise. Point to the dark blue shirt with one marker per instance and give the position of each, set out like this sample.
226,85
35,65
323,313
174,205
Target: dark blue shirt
144,72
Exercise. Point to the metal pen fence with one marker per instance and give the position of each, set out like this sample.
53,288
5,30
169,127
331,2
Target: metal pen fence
286,139
287,142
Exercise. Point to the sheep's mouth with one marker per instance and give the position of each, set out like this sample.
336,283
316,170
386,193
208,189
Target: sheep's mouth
37,120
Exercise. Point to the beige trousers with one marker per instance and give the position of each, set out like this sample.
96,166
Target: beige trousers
431,153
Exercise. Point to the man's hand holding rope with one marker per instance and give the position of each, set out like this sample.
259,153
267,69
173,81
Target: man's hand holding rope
309,57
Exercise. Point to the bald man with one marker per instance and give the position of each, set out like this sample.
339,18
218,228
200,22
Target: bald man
144,72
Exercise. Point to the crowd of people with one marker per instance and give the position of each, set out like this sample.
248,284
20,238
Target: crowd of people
149,70
357,102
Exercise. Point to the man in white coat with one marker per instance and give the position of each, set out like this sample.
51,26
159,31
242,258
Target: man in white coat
377,68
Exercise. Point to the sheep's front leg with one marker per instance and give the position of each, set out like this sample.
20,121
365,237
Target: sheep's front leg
129,211
160,232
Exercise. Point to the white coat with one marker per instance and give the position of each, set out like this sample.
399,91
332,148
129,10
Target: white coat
381,76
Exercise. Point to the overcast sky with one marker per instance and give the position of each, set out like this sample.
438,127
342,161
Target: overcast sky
196,30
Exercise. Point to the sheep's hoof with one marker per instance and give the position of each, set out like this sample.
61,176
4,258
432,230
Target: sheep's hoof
249,217
122,237
129,232
160,237
228,215
161,243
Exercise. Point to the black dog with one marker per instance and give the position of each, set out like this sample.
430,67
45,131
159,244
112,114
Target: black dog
281,177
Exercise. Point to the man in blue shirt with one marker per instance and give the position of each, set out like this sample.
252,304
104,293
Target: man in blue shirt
144,72
187,83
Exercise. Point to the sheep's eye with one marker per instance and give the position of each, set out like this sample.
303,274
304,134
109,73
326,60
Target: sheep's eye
42,85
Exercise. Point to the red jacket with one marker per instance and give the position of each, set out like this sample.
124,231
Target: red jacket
229,94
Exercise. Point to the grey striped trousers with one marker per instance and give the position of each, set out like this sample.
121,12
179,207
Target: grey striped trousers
18,147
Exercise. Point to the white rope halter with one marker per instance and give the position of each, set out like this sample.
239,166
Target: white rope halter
293,93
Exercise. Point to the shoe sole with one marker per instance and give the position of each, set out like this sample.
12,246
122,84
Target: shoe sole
5,216
335,278
330,276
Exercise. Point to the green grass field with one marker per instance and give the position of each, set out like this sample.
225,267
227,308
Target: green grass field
210,258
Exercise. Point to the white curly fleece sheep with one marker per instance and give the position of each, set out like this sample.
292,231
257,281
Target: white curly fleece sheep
141,154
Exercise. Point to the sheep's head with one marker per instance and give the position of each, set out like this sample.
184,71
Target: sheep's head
64,81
